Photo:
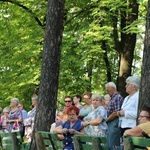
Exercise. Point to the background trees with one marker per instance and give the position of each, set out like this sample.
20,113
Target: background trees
104,40
94,39
101,42
21,43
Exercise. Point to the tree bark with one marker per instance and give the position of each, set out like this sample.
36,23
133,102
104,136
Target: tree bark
45,113
145,80
105,57
126,45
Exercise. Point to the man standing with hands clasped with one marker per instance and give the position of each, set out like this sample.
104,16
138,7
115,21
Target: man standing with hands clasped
113,106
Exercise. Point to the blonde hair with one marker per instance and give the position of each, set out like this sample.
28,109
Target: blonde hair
97,96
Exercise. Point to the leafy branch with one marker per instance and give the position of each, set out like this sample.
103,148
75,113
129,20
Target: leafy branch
26,9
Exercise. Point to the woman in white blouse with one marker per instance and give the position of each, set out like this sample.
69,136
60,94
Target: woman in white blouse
129,110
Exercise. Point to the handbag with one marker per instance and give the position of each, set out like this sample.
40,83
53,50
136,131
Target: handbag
15,127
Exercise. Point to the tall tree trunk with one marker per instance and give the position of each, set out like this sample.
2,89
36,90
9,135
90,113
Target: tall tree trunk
105,57
126,45
89,74
45,114
145,80
126,58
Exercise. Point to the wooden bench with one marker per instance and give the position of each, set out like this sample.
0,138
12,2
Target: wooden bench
136,143
51,141
84,142
12,141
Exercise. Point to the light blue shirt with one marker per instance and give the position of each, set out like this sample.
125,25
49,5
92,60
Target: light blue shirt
24,114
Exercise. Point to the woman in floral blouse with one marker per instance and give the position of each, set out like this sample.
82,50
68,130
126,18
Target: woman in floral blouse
95,122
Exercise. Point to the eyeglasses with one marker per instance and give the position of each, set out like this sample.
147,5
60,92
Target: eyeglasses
67,101
143,116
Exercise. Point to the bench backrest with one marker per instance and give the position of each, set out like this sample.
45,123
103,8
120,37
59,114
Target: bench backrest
84,142
136,143
51,141
11,141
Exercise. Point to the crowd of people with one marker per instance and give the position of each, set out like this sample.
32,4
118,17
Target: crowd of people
16,118
109,116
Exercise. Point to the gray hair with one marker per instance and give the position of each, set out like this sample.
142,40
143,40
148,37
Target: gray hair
111,84
97,96
35,97
6,109
107,96
15,100
134,80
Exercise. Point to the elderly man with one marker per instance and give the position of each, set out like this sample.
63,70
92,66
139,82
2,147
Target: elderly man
113,106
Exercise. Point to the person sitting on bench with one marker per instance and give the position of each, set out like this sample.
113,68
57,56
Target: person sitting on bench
144,124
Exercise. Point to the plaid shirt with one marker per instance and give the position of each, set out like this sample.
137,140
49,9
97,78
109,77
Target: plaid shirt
114,103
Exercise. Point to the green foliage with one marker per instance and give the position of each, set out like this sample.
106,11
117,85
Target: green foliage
20,53
88,26
138,54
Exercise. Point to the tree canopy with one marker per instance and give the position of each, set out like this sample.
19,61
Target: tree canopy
89,57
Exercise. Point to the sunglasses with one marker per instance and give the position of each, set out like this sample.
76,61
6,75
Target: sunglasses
67,101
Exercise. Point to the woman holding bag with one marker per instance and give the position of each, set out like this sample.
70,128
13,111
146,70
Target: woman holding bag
14,119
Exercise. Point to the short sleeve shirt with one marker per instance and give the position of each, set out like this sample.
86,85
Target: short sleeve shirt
145,127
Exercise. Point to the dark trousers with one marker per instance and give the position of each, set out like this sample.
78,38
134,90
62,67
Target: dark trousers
123,130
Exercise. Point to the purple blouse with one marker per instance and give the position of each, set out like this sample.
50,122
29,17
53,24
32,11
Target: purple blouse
14,116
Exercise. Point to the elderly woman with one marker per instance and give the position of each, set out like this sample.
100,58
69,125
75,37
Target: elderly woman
70,127
4,117
58,120
128,113
95,122
14,119
106,99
